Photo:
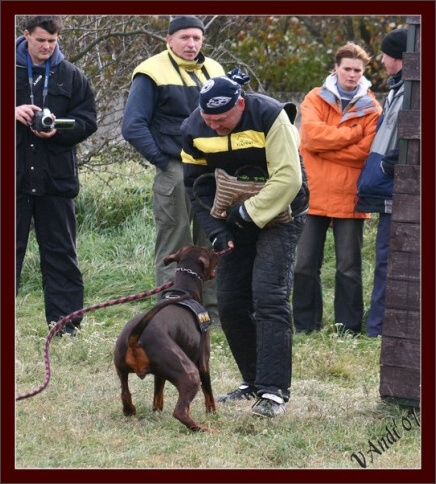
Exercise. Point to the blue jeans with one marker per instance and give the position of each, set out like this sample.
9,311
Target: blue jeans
307,299
374,323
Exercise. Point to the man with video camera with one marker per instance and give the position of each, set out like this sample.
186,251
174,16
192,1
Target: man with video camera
55,110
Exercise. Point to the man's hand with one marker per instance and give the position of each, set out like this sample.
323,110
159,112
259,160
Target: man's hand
25,113
44,134
238,216
389,161
222,241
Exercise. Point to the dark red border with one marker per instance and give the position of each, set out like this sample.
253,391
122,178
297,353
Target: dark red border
11,8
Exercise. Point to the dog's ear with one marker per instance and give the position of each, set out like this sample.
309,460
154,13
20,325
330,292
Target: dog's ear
171,258
177,256
205,261
209,264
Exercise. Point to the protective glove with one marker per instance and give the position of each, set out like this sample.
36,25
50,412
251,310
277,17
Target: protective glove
220,241
389,161
238,217
300,204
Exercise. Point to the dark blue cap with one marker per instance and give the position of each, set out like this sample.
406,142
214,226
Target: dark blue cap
219,95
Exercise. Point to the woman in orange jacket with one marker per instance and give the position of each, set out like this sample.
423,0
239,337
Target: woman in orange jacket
338,123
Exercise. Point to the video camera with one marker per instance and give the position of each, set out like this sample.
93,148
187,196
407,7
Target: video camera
43,121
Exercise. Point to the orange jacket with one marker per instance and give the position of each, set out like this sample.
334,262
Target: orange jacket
334,146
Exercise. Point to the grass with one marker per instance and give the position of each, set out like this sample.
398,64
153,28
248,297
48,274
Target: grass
77,422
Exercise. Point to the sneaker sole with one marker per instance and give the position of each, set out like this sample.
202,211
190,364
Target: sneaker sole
234,400
258,414
262,415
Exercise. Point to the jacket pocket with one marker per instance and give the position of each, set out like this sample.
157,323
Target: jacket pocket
62,161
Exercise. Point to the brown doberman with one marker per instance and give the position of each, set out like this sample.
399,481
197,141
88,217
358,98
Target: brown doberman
171,340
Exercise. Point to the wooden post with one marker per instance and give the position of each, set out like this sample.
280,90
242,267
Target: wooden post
400,375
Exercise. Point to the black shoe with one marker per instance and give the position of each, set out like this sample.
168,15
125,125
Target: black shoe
71,330
243,392
269,406
68,330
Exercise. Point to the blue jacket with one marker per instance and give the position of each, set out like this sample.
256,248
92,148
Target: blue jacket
376,181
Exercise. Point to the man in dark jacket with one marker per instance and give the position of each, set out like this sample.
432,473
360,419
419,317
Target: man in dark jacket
46,164
376,182
229,130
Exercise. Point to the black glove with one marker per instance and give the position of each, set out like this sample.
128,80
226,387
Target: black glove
238,76
238,217
300,204
389,161
220,241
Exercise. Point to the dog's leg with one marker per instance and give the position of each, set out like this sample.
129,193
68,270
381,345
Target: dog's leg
158,400
126,396
206,388
180,371
184,376
188,386
203,369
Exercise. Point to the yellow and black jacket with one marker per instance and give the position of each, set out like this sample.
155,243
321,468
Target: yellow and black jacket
164,92
264,139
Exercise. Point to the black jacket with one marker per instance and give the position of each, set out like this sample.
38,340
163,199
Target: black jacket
49,166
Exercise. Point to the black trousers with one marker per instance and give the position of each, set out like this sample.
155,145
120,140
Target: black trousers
55,229
253,283
307,297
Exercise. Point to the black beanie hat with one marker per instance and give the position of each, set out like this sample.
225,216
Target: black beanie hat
185,22
395,43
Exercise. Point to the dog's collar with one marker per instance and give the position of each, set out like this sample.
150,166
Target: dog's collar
189,271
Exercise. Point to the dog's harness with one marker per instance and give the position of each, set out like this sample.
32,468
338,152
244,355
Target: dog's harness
200,312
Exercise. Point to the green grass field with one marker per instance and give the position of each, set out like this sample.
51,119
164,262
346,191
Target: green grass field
334,419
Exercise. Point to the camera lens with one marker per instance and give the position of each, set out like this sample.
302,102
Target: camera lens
47,121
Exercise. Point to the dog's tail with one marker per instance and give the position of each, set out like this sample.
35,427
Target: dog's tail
135,333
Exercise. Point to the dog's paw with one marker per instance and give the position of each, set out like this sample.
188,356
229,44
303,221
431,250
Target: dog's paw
202,428
129,411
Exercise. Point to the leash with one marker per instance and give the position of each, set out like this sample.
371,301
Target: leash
66,319
61,323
